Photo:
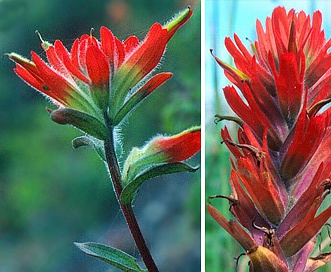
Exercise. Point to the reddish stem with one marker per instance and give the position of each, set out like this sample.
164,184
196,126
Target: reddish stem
127,210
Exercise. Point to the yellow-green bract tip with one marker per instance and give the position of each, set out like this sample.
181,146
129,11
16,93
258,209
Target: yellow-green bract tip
179,19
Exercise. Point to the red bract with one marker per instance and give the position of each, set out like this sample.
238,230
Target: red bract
281,172
100,78
179,147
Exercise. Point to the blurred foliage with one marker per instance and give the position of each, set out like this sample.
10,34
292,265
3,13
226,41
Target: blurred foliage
51,195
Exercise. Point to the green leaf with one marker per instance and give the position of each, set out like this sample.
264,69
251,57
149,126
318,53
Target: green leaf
80,120
89,141
110,255
130,189
81,141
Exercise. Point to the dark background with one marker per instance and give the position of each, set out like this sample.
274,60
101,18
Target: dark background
52,195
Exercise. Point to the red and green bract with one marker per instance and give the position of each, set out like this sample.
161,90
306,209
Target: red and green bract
179,147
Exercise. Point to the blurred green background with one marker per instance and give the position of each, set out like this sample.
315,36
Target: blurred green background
51,195
224,18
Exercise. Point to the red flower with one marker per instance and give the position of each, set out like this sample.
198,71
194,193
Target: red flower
100,78
281,172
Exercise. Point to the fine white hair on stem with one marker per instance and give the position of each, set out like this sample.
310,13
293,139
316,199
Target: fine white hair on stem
118,142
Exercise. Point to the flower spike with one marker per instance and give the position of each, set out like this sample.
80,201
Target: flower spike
103,79
281,168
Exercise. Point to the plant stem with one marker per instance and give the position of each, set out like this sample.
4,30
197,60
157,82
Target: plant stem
127,210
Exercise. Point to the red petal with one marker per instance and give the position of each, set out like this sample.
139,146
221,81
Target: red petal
303,206
97,67
146,57
120,52
241,60
107,43
245,210
113,48
33,81
130,44
84,43
289,85
154,82
64,55
61,50
245,53
319,66
281,28
74,54
261,189
304,231
54,82
252,114
234,150
54,60
307,138
233,228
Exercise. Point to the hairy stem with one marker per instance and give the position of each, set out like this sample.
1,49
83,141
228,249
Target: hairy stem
127,210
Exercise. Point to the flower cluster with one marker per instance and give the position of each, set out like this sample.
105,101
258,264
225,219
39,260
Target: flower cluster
281,172
98,80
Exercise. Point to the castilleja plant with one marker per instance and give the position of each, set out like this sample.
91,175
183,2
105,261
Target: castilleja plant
282,158
95,86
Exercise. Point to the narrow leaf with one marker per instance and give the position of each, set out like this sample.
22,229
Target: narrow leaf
92,142
80,120
81,141
130,189
110,255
